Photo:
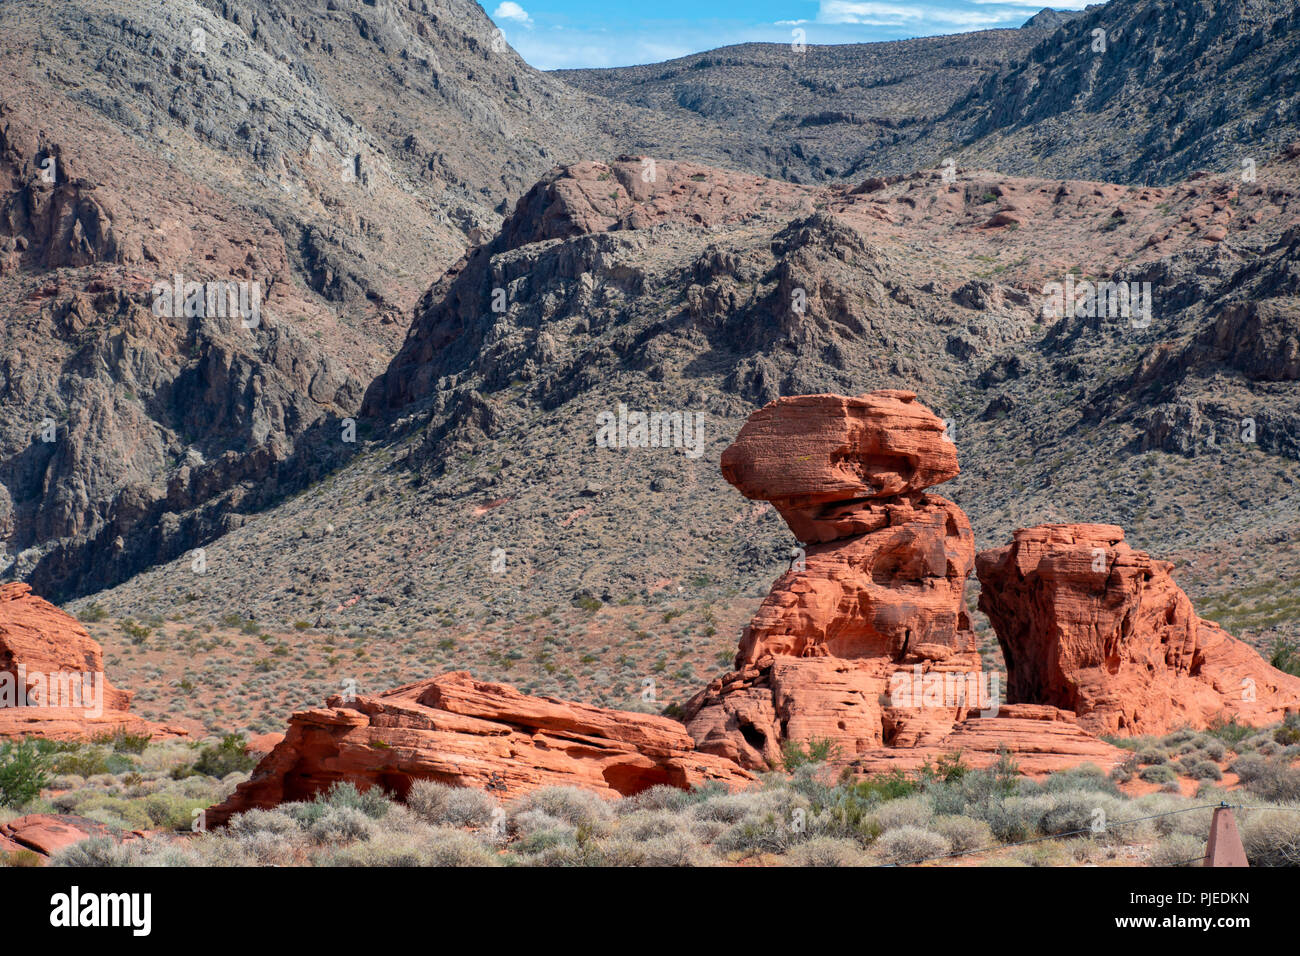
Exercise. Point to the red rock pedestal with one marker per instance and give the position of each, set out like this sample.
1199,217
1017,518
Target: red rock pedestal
471,733
48,661
1088,624
866,641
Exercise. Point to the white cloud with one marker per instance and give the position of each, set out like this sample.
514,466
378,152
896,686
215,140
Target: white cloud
868,13
509,10
877,14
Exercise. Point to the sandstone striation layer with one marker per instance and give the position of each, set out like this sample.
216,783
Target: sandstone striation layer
52,680
1089,624
471,733
865,641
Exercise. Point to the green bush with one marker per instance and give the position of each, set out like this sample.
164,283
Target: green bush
372,802
1159,773
1285,656
1271,837
219,760
817,750
911,844
23,772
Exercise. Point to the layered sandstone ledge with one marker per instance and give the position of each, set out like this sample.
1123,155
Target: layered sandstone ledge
472,733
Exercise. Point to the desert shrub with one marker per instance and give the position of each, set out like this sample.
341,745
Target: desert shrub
1275,781
648,824
440,803
1151,755
1285,656
1271,837
1178,849
95,852
537,831
1084,814
908,844
452,847
1248,766
1081,778
217,760
758,833
123,741
733,807
962,833
827,851
385,849
1229,731
274,822
581,808
168,811
23,772
660,797
914,811
675,849
1204,770
1159,773
1214,749
1046,853
90,761
977,788
340,825
816,750
21,859
373,802
886,786
1015,818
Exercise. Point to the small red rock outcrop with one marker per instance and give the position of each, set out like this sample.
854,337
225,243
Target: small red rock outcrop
1089,624
46,834
51,656
472,733
865,641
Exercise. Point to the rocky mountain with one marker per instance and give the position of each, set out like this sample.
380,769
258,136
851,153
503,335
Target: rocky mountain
599,276
817,113
509,471
1131,92
330,159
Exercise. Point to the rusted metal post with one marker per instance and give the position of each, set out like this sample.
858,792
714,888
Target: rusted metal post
1224,847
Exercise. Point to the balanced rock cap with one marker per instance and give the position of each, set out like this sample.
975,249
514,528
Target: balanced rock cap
807,451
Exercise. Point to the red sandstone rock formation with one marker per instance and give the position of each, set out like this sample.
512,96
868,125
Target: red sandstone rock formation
1089,624
820,458
47,834
49,661
867,643
471,733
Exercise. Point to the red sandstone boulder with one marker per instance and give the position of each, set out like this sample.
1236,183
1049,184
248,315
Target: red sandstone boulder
47,834
866,643
1088,624
818,457
471,733
49,662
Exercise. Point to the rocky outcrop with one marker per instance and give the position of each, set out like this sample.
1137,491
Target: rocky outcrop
1089,624
865,641
46,834
471,733
52,680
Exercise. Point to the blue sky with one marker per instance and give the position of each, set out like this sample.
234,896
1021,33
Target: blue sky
553,34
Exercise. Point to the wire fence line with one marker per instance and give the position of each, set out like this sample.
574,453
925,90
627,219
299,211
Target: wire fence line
1066,833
